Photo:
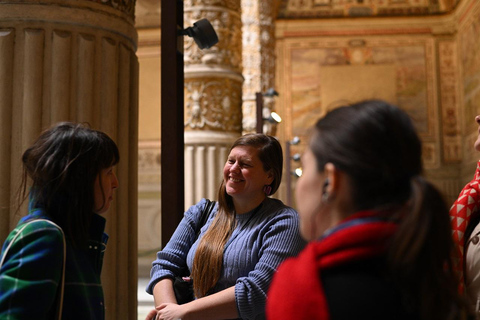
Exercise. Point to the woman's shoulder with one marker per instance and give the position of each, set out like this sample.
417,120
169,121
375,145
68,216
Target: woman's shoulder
197,208
200,205
195,213
276,208
32,227
39,240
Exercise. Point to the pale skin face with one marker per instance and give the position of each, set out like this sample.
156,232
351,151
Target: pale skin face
477,143
245,177
318,213
103,189
314,217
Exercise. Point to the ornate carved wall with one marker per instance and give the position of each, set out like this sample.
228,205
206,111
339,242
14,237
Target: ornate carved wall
468,50
412,62
304,9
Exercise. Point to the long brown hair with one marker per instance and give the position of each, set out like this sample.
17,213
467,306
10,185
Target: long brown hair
377,146
208,260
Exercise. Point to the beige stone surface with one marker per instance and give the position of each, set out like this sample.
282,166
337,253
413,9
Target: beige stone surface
64,60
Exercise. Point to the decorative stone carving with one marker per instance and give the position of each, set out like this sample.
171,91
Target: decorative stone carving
213,81
448,66
258,56
430,155
233,5
213,95
147,13
126,6
356,8
213,104
227,53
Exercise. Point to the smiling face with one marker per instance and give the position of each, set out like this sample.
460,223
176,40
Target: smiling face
244,175
105,184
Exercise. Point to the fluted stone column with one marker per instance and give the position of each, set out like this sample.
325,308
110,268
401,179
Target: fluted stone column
74,60
213,96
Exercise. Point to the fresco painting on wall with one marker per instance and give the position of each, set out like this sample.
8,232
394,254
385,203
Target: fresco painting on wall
323,78
471,72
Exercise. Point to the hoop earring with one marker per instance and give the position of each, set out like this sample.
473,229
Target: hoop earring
267,189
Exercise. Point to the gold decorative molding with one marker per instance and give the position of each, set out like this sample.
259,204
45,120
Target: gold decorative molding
448,74
233,5
126,6
301,9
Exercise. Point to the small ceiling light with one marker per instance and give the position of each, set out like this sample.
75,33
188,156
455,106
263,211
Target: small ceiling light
270,93
273,118
295,141
298,172
296,157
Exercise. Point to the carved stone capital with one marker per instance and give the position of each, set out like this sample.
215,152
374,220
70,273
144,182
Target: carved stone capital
126,6
213,103
123,6
233,5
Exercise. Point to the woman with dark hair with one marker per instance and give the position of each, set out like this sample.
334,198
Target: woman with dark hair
70,171
245,238
379,233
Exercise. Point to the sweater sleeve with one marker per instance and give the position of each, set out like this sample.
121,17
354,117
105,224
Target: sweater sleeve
31,273
171,261
280,239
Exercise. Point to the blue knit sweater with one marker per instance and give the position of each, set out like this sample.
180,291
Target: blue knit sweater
262,239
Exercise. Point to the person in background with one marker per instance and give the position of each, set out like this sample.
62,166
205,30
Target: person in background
247,235
70,169
466,234
379,233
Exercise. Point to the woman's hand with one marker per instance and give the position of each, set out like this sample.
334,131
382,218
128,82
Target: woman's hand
152,315
170,311
166,311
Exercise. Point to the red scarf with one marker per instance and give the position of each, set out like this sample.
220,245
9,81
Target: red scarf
464,208
296,291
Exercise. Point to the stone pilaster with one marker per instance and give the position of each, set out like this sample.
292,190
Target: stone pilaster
213,96
258,18
65,60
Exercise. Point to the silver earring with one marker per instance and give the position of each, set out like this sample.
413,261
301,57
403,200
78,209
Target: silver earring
325,197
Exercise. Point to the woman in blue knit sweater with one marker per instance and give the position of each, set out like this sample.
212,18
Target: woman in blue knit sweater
245,238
